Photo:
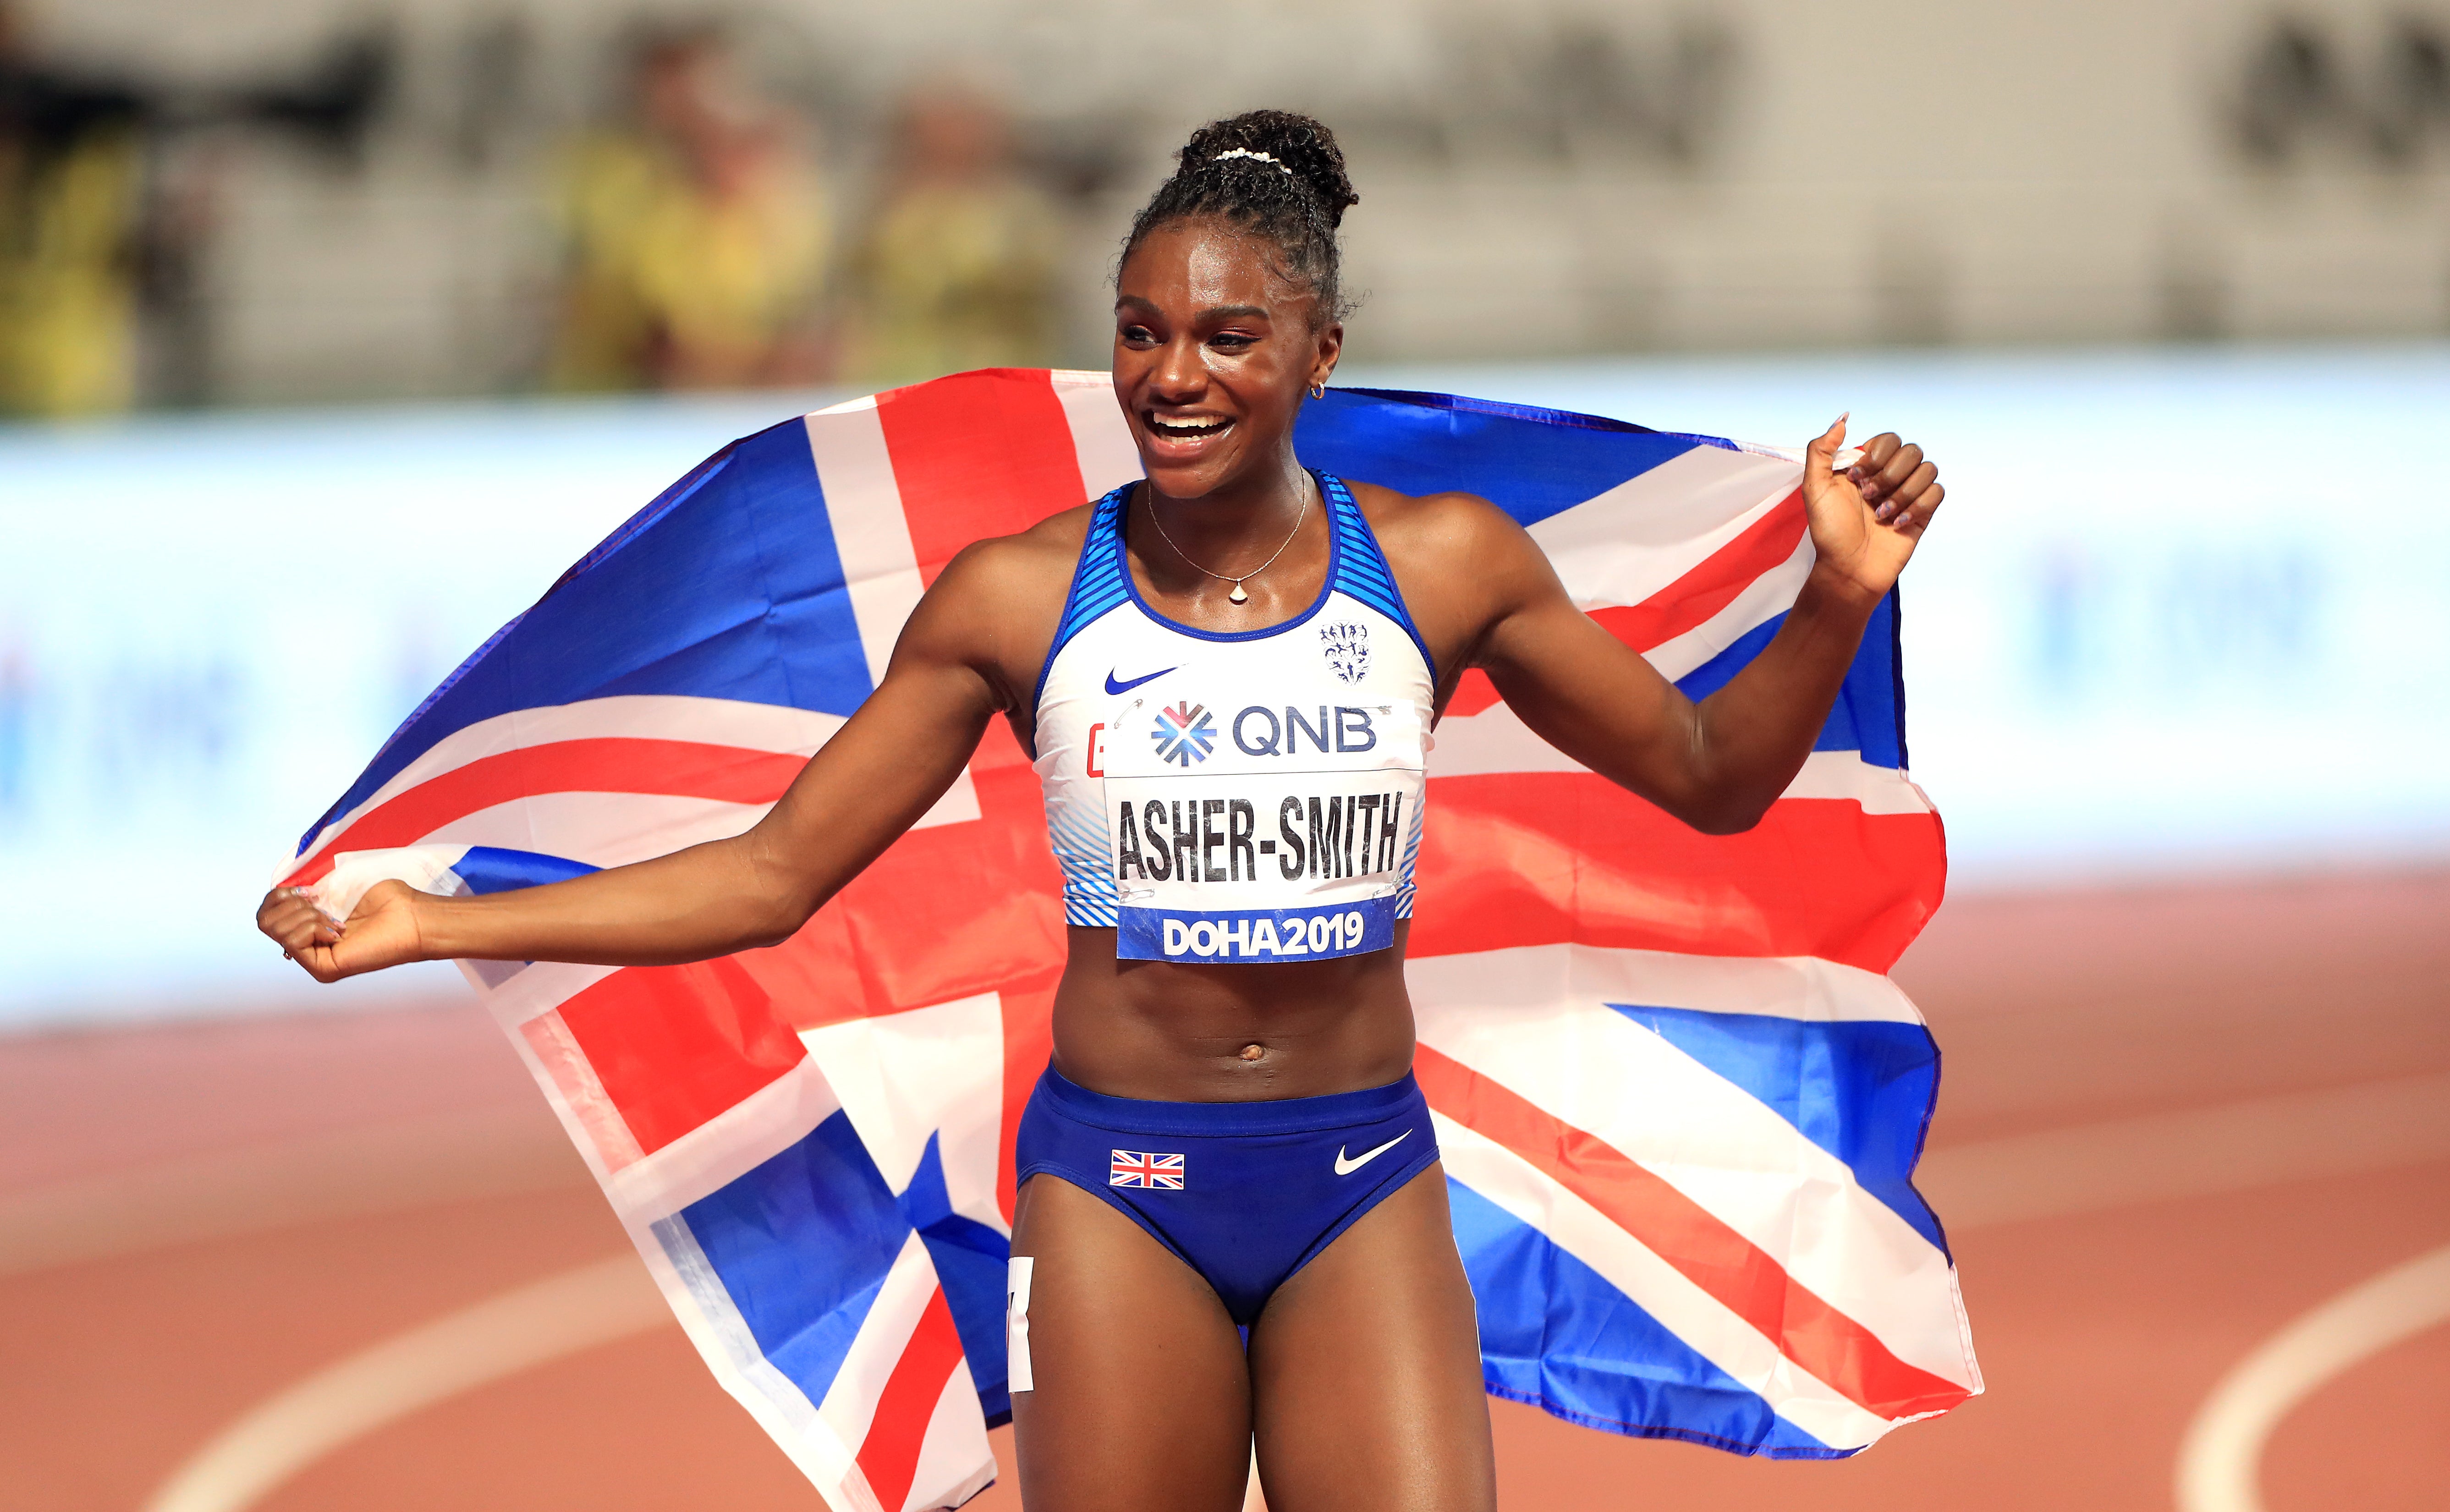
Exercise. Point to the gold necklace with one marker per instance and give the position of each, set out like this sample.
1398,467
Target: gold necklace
1237,596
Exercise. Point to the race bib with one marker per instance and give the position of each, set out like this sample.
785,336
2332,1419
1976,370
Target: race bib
1260,832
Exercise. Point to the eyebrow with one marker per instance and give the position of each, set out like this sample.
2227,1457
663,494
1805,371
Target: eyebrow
1215,312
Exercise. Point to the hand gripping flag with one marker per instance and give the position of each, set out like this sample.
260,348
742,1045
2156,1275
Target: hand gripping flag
1679,1097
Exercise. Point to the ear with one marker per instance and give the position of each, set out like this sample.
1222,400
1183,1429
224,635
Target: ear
1331,348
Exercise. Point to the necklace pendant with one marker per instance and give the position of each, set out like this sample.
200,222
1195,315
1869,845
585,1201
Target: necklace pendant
1237,596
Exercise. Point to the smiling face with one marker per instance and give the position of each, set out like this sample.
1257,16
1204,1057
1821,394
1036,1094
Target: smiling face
1212,353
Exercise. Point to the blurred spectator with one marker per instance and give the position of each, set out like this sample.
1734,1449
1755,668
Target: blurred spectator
698,233
104,214
956,267
71,160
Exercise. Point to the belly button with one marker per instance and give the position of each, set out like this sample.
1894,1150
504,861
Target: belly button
1252,1051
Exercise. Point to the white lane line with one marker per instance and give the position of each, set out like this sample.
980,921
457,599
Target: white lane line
415,1163
513,1332
2372,1126
2220,1460
2054,1174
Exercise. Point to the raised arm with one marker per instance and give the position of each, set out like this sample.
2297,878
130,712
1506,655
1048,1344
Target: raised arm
881,771
1716,765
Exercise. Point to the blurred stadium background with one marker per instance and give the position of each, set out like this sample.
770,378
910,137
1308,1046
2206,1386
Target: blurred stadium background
331,330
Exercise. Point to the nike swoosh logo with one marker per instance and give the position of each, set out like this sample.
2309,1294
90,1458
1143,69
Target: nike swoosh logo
1346,1168
1113,687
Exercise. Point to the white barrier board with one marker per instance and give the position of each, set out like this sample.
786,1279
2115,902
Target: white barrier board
2183,611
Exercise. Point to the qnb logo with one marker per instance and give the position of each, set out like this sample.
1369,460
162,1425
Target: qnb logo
1258,731
1185,733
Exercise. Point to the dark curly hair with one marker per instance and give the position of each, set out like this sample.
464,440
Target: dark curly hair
1273,174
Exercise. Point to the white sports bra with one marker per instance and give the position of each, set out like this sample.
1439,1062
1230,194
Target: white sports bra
1248,796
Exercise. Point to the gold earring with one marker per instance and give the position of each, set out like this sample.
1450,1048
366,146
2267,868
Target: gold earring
1318,391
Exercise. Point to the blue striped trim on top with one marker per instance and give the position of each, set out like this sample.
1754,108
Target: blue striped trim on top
1357,566
1079,848
1098,583
1337,538
1406,892
1361,569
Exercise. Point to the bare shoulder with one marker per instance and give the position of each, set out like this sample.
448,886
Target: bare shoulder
996,604
1437,538
1462,564
1027,563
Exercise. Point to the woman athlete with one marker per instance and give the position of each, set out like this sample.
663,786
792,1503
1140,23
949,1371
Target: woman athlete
1244,1073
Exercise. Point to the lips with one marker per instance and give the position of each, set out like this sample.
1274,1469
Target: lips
1184,433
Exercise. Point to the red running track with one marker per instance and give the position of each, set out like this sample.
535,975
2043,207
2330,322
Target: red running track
2122,1246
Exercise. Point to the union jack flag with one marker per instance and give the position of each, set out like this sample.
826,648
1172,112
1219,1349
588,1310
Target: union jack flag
1678,1098
1131,1167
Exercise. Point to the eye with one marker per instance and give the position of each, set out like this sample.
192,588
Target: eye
1138,336
1232,342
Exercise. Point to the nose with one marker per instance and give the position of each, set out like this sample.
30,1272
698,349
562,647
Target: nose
1179,377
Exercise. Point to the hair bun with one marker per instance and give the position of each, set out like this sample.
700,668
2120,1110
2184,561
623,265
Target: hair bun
1303,146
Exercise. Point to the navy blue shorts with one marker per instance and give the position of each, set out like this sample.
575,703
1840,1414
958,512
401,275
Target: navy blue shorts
1245,1192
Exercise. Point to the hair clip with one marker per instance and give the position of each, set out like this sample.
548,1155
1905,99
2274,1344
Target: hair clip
1257,157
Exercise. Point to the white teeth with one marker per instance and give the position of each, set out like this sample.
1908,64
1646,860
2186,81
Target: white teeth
1206,427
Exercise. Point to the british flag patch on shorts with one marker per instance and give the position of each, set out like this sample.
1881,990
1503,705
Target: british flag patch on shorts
1131,1168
